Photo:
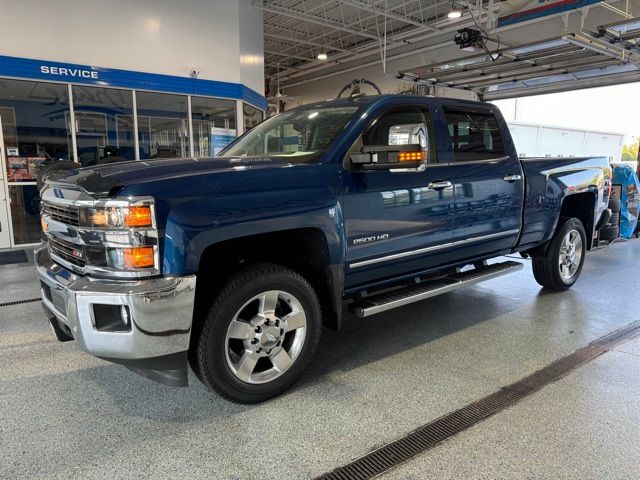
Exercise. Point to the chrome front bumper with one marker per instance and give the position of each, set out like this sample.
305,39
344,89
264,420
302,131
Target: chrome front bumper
161,311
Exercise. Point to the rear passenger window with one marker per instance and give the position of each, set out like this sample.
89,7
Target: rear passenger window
475,135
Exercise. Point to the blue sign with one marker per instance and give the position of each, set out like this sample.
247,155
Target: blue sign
26,68
517,11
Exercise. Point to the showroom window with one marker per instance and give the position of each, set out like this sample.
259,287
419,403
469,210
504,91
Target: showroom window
40,125
162,125
214,125
35,125
252,116
103,125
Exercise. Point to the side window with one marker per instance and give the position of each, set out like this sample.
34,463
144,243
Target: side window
402,126
475,135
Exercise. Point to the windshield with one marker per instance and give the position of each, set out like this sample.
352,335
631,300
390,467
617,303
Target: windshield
298,135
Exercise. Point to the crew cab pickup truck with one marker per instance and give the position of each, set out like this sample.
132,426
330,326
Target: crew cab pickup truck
232,265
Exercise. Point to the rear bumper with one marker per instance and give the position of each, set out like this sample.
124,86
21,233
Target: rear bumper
159,327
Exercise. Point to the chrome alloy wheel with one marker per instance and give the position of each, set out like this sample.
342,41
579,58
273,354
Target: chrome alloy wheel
265,337
570,254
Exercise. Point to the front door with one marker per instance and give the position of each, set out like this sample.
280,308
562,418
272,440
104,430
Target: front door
489,183
397,221
5,230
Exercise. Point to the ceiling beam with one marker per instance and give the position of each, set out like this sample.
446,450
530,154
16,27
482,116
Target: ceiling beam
299,57
307,42
387,13
315,19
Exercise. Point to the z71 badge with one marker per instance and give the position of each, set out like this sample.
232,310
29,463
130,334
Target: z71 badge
372,238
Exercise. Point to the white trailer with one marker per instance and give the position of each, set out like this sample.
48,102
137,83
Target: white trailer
534,140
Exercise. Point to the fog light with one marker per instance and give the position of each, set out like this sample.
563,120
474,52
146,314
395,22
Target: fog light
111,318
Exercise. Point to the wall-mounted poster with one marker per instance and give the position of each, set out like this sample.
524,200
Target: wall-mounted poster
220,138
17,170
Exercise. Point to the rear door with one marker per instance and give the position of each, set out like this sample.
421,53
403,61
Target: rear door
488,179
397,221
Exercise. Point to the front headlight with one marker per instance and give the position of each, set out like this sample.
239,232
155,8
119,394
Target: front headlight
114,237
118,217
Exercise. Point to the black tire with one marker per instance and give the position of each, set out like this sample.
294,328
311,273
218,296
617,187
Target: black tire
546,269
614,220
608,233
54,167
213,367
615,205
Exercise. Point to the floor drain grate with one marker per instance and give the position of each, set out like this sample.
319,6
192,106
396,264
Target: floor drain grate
428,436
18,302
13,256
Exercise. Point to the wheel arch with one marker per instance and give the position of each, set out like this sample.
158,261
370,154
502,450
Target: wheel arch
583,206
304,250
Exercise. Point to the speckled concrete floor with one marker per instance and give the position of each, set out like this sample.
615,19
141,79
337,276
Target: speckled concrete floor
68,415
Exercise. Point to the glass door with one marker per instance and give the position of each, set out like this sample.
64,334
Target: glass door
35,133
5,223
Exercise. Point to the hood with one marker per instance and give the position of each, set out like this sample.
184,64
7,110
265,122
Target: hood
105,180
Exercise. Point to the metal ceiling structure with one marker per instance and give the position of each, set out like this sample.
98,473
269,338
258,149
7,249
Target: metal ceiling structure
296,31
356,34
612,50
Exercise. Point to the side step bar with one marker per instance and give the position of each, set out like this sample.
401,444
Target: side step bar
415,293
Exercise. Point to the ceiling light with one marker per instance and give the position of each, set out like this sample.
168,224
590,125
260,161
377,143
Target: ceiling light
454,12
322,56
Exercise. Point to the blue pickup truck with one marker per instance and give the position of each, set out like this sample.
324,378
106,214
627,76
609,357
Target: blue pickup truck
232,265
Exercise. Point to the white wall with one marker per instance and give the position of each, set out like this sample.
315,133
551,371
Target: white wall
157,36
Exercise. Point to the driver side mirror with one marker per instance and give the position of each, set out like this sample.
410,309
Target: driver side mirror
395,158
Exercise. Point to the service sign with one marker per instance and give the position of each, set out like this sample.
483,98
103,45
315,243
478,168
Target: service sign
516,11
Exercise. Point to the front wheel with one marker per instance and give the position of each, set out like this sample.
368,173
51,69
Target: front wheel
561,266
259,335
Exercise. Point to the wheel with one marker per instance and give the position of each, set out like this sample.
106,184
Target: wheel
54,167
609,232
561,266
615,205
259,334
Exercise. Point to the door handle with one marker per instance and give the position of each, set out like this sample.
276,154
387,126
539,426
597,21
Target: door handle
439,185
512,177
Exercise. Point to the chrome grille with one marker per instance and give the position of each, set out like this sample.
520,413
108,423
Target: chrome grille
67,214
70,252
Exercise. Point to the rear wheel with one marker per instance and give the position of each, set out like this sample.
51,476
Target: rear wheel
259,335
561,266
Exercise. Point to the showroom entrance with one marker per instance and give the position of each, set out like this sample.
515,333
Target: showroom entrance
43,122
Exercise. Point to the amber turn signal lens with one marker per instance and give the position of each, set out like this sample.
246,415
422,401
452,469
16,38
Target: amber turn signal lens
414,156
43,224
138,257
137,217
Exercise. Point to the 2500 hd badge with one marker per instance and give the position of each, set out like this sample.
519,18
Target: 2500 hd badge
372,238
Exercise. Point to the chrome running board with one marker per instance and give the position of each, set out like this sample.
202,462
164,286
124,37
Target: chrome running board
415,293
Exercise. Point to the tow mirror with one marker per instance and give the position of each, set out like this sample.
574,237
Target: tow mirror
395,158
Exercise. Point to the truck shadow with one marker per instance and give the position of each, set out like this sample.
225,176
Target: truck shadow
360,342
367,340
